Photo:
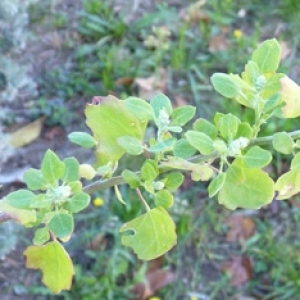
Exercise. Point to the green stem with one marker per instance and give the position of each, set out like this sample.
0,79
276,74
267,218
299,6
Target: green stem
143,199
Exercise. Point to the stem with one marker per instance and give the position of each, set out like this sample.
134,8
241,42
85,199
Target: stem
143,199
118,180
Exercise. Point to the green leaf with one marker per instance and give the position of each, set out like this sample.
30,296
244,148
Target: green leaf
78,202
140,108
162,146
283,143
82,139
295,163
173,181
131,178
62,225
42,201
267,56
131,144
225,85
149,170
55,264
244,130
23,216
200,141
20,199
251,72
152,234
161,102
216,184
182,148
206,127
257,157
119,195
164,198
52,167
288,185
41,236
76,187
246,188
183,114
71,170
35,180
109,121
204,174
228,126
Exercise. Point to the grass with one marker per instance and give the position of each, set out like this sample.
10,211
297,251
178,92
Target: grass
110,50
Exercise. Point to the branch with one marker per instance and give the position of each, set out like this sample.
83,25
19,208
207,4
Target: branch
101,185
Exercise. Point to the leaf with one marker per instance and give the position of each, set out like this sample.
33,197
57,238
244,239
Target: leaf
257,157
162,146
27,134
161,102
283,143
241,228
288,185
251,72
82,139
200,141
52,167
23,216
183,114
35,180
228,126
132,145
87,171
245,187
290,93
109,121
267,56
153,234
239,269
119,195
206,127
71,170
149,170
216,184
224,85
62,225
182,148
20,199
295,163
173,181
244,130
78,202
131,178
140,108
55,264
164,198
41,236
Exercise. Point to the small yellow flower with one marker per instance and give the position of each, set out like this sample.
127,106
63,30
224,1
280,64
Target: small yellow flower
98,202
237,33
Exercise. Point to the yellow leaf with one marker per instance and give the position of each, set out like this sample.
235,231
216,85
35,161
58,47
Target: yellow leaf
290,92
27,134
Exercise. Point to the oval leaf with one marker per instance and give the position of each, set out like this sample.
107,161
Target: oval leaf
153,234
62,225
52,167
82,139
257,157
200,141
55,264
224,85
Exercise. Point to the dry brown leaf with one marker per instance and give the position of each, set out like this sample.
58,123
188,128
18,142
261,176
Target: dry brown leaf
218,43
285,50
125,81
241,228
54,132
27,134
239,269
149,87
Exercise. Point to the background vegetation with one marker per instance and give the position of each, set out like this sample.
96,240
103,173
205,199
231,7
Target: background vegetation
75,50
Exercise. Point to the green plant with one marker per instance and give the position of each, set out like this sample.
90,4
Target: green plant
229,152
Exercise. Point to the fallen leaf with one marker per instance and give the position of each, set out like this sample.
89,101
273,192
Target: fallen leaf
218,43
241,228
149,87
54,132
194,12
125,81
239,268
27,134
285,50
153,282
